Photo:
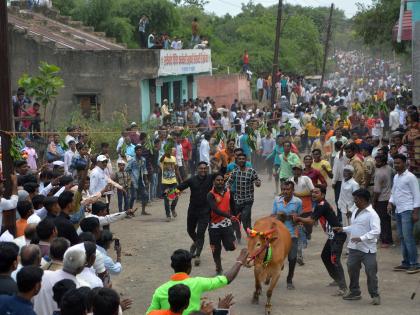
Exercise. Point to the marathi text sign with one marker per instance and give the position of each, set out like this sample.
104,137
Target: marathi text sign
187,61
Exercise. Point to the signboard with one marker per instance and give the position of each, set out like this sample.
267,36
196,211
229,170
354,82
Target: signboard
184,61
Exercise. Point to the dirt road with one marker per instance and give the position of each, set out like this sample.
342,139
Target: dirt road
148,242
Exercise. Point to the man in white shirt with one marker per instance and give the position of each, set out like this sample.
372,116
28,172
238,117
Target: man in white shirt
405,198
8,204
364,233
346,200
68,156
394,119
339,162
73,263
225,121
260,88
98,176
205,149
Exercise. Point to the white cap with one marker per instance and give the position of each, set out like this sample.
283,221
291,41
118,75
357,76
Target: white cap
349,168
101,158
33,219
58,163
133,123
6,237
121,161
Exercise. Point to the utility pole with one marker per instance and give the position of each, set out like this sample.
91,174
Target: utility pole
276,53
6,118
326,46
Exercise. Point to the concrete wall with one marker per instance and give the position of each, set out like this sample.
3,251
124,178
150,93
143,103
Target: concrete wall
224,88
114,75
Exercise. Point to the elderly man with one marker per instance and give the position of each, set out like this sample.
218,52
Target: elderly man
30,255
73,264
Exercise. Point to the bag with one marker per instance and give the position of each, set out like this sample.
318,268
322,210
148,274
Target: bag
79,164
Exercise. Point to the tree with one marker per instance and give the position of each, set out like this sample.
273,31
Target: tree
196,3
44,88
374,23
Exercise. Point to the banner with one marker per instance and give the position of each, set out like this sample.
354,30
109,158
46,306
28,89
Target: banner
185,61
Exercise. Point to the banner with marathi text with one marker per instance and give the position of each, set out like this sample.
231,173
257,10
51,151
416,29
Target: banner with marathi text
185,61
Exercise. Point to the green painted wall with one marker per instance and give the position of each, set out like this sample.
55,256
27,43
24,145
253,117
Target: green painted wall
144,100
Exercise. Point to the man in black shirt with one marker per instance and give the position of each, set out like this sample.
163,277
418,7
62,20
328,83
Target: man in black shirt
8,263
198,210
331,254
62,222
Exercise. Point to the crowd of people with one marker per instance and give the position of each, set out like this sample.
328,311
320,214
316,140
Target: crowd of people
54,259
164,41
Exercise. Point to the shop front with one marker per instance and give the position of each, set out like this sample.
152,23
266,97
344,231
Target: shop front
175,79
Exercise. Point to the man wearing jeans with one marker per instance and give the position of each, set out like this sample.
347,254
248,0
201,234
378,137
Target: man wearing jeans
405,198
364,232
136,167
243,180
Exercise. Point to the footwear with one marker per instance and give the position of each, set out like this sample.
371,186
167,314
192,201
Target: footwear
300,261
414,269
352,296
145,213
385,245
168,219
333,284
197,262
174,214
401,268
290,286
376,300
193,248
341,292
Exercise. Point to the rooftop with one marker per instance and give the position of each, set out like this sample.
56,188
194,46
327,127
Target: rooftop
60,30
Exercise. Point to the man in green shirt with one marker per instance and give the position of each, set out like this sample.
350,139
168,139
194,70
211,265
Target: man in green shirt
288,161
181,264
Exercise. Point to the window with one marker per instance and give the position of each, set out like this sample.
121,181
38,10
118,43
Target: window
89,105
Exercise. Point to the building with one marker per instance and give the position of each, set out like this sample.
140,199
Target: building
100,75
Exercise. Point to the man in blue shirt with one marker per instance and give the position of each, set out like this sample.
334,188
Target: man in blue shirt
286,207
29,283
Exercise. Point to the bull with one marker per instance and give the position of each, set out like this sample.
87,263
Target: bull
269,243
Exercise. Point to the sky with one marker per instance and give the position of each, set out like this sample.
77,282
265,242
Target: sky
233,7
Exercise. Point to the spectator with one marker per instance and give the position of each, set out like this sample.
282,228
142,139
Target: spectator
30,255
178,298
104,244
59,289
105,302
31,154
353,160
405,199
143,25
55,151
8,263
73,263
25,210
68,157
181,264
123,178
73,302
28,284
58,248
52,207
346,200
46,232
88,277
62,222
195,37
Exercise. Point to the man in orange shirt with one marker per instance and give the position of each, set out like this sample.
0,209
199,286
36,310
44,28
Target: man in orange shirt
179,299
25,210
226,156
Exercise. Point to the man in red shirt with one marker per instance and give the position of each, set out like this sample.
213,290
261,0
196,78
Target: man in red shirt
31,112
186,154
220,229
245,60
313,174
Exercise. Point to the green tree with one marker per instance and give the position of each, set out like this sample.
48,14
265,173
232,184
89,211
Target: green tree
374,23
44,88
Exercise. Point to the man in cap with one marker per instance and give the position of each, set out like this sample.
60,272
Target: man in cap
98,177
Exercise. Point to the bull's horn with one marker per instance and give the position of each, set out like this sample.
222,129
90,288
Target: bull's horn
269,232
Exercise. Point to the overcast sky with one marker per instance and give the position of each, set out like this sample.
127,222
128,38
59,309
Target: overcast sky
233,7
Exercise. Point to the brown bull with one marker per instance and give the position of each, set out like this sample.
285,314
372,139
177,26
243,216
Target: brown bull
269,244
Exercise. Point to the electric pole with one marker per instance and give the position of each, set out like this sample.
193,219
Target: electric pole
276,53
6,118
326,46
